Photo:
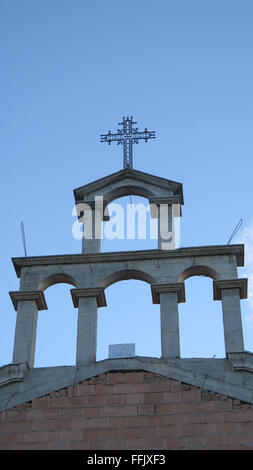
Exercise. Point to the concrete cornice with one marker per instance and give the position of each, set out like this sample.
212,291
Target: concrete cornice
97,292
96,185
215,375
166,200
176,201
217,250
240,284
158,289
36,295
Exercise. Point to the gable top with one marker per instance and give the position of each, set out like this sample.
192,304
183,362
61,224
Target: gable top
132,177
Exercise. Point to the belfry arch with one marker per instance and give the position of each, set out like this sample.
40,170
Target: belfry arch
92,201
164,269
57,328
129,317
127,190
127,274
198,271
200,319
58,278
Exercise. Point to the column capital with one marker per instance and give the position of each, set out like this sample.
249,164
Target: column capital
158,289
36,295
97,292
95,205
240,284
169,200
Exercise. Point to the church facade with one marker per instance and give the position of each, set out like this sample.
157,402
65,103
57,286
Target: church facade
129,402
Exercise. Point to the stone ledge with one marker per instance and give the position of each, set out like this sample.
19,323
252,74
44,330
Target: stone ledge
240,284
36,295
12,373
217,250
158,289
97,292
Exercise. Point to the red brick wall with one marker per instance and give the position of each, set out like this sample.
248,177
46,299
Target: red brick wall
131,410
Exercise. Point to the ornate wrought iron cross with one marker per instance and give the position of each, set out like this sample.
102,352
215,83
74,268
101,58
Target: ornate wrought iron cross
127,137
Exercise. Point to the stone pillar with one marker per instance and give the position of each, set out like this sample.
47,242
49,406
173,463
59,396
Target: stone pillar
87,300
91,213
27,304
169,295
230,292
165,209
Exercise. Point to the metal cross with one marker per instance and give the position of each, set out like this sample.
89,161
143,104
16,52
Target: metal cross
127,137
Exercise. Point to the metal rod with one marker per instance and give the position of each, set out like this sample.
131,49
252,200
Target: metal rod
23,237
235,231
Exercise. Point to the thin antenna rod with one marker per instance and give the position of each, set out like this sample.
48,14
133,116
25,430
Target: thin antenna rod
23,237
235,231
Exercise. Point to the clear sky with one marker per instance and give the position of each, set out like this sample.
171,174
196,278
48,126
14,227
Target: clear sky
69,71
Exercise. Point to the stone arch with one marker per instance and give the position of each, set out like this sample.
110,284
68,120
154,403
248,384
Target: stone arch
199,270
59,278
126,274
200,319
61,317
127,190
134,318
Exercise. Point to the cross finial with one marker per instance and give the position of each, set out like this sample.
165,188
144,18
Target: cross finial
127,137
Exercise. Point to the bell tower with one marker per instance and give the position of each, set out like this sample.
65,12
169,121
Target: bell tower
165,269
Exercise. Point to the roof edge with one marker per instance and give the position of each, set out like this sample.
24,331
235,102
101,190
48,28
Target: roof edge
125,173
209,250
208,374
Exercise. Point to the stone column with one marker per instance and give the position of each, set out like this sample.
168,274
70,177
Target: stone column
87,300
165,209
230,292
27,304
92,214
169,295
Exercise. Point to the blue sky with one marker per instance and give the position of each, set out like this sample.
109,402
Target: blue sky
69,71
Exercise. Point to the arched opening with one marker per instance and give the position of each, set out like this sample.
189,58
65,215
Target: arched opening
128,190
130,317
197,270
57,278
130,226
200,320
127,274
57,328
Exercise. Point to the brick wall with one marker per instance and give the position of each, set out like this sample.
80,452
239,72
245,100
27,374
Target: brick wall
131,410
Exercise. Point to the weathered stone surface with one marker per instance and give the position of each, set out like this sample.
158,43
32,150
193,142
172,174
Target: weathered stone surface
219,285
177,287
97,292
217,375
12,373
128,181
36,295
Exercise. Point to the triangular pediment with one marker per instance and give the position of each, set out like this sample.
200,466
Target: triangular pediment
129,181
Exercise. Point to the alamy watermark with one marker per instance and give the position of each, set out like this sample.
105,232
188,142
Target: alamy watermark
135,221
